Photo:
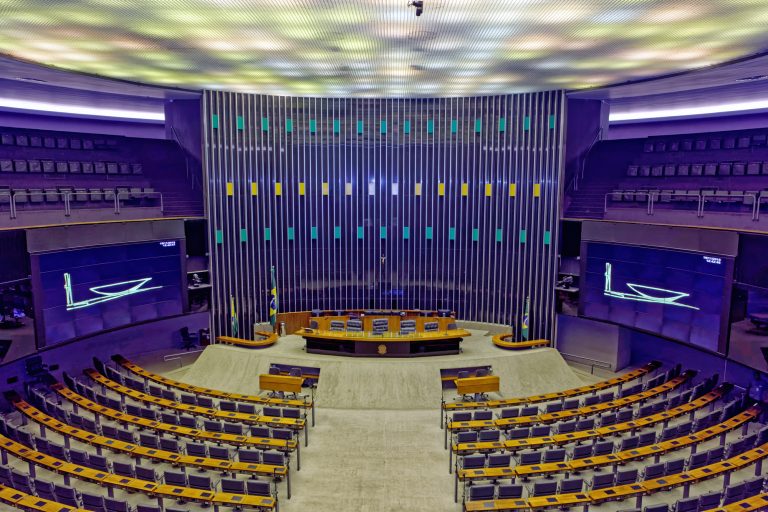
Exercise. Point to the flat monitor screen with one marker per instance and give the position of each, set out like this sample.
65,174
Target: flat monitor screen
676,294
85,291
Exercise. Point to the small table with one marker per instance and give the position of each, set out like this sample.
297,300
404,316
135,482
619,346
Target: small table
284,383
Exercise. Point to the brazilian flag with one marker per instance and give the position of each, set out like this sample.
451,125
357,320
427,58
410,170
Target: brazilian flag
233,315
524,330
273,300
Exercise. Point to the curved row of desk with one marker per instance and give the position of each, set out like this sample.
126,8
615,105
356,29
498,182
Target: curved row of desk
506,342
268,339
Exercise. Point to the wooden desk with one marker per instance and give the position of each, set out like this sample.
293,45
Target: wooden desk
269,339
282,383
472,385
558,500
26,501
511,504
759,502
502,341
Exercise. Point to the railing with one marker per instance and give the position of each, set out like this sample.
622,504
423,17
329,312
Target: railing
180,357
67,199
591,362
701,199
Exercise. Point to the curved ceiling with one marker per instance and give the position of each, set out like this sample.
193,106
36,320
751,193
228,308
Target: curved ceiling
379,48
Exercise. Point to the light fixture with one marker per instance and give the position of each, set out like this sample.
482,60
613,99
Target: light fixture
418,4
723,108
58,108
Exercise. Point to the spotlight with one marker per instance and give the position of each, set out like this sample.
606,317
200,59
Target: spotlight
418,4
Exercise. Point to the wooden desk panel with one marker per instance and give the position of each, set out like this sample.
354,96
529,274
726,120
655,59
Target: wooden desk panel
26,501
283,383
472,385
269,339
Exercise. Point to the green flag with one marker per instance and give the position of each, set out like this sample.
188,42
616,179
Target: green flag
233,314
273,299
524,330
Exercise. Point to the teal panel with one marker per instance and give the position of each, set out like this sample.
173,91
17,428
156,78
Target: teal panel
523,236
240,123
407,127
219,236
359,126
430,126
451,233
337,232
527,123
478,125
383,127
291,234
502,124
265,124
313,232
243,235
498,235
454,125
336,126
289,125
360,232
547,238
406,232
267,234
428,232
215,120
552,120
383,232
312,126
475,234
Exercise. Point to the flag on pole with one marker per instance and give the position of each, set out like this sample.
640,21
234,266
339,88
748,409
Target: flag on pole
233,314
524,331
273,300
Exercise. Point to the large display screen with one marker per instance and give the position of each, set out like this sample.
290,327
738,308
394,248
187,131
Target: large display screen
85,291
676,294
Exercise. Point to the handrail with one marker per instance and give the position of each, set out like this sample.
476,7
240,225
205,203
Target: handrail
649,205
144,194
67,200
701,200
592,362
743,195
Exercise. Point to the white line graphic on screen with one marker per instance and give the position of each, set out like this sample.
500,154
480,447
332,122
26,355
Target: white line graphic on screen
118,291
645,293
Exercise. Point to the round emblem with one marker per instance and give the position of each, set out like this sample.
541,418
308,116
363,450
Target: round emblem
382,349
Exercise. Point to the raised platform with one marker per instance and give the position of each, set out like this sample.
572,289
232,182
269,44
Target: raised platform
380,383
363,344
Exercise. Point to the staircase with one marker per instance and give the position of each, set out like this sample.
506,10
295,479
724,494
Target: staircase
168,176
589,201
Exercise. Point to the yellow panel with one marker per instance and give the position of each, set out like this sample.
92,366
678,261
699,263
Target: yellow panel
441,189
465,189
418,189
488,190
230,188
302,188
536,190
325,188
512,189
348,189
254,189
278,189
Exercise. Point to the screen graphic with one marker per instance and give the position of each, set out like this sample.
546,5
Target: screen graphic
676,294
90,290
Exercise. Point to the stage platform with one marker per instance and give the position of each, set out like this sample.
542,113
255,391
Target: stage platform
378,383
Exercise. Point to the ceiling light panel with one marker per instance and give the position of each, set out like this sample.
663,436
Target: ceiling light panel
379,47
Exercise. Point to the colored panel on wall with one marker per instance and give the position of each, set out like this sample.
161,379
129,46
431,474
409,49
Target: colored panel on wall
254,188
547,238
527,123
465,189
278,189
302,188
312,126
219,236
395,189
536,190
454,125
267,234
230,188
512,190
552,120
430,126
417,189
289,125
240,123
478,125
407,127
383,127
313,232
265,124
383,232
291,233
243,235
441,189
348,189
475,234
372,188
406,232
498,234
451,233
337,232
523,236
336,126
360,232
488,190
502,124
325,188
360,126
428,233
214,120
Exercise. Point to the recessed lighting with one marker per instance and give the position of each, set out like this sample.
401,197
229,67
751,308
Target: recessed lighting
754,78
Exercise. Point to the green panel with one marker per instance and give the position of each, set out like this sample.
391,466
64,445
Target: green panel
428,233
383,232
267,234
291,234
527,123
406,232
451,233
289,125
360,232
265,124
523,236
336,126
313,232
240,123
475,234
478,125
383,127
430,126
407,127
312,126
498,235
243,235
359,126
215,120
337,232
502,124
454,125
552,119
547,238
219,236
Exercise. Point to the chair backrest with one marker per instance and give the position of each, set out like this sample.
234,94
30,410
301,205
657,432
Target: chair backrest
144,473
511,412
510,491
273,457
709,500
489,435
583,451
226,405
114,505
499,460
272,411
481,492
674,466
519,433
473,461
554,455
570,485
233,485
626,476
461,416
540,430
530,457
602,480
175,478
654,471
687,505
199,482
482,415
123,469
530,410
544,489
662,507
196,449
257,487
251,456
219,452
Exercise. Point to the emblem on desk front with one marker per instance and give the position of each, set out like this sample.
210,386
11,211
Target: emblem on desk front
382,349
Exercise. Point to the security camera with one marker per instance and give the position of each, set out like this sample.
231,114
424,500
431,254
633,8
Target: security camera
418,4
